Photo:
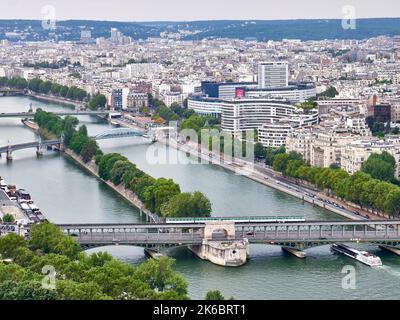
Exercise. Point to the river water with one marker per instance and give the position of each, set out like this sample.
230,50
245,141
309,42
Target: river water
67,194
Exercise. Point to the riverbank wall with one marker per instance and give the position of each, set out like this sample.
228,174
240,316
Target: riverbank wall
128,195
31,125
72,103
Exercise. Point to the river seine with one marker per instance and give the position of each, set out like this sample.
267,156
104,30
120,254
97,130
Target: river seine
67,194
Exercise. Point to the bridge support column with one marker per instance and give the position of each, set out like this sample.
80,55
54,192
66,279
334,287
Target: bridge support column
153,253
39,151
392,249
9,155
296,252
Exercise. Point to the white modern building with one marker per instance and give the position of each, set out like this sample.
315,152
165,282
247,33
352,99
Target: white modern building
293,92
274,134
243,114
210,102
205,106
273,74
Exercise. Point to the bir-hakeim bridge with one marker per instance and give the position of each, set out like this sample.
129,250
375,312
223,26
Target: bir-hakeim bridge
227,242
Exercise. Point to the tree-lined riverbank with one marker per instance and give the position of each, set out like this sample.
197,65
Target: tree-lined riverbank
161,197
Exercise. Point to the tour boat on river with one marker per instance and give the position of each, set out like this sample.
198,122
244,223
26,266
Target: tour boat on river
363,256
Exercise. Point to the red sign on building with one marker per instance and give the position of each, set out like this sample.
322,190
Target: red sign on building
239,93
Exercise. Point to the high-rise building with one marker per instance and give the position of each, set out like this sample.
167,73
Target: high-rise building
273,74
115,35
86,36
117,99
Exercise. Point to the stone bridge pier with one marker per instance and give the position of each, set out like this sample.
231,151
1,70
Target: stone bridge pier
212,228
220,245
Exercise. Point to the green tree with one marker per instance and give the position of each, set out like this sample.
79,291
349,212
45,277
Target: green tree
89,150
187,205
280,162
259,151
118,170
25,290
107,162
214,295
380,166
50,239
10,245
194,122
292,168
70,290
8,218
159,193
392,203
293,155
98,101
160,276
380,192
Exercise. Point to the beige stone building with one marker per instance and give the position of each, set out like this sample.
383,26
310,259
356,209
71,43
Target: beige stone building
320,147
357,152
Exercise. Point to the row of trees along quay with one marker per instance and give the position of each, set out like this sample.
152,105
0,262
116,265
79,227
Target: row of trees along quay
373,188
97,101
161,196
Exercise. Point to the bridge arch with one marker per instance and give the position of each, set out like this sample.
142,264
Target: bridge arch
213,228
120,133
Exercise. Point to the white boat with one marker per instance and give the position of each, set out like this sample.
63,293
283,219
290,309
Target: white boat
3,184
25,206
363,256
33,207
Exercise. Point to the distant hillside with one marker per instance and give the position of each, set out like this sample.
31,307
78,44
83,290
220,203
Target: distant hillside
296,29
31,30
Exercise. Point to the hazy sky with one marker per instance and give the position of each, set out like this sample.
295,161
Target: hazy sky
146,10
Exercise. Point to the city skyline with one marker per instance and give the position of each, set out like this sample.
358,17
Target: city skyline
180,10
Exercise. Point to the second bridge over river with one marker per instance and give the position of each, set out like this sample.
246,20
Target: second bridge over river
108,134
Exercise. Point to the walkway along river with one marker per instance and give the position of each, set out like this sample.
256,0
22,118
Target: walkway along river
68,194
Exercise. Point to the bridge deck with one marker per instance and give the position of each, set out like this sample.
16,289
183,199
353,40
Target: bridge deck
32,114
305,233
28,145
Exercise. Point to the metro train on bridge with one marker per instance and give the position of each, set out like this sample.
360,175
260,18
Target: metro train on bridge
272,219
